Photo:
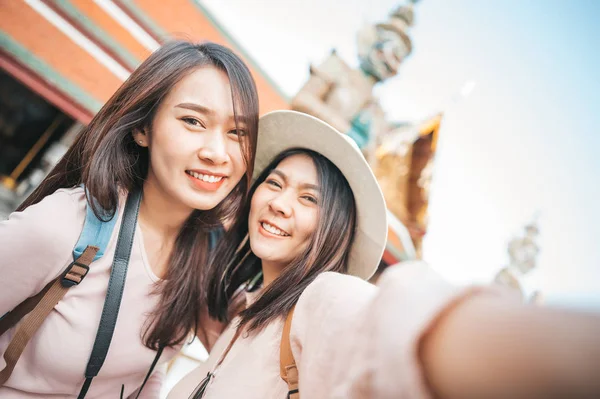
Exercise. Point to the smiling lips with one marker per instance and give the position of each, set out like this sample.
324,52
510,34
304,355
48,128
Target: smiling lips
272,229
206,181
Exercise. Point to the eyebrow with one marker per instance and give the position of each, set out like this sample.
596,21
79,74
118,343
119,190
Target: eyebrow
209,112
285,179
196,107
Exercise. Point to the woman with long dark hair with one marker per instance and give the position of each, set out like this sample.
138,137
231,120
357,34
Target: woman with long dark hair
181,132
316,214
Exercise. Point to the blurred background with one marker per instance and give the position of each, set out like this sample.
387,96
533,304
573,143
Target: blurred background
479,118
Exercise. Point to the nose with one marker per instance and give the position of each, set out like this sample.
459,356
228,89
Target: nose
213,150
280,205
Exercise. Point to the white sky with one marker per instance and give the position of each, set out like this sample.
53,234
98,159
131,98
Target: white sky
521,143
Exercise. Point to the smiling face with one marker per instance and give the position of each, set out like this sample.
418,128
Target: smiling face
195,148
284,211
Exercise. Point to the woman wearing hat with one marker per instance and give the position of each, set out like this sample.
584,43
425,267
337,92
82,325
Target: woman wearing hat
315,226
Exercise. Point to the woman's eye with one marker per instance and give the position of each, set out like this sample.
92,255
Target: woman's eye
193,122
310,198
238,132
273,183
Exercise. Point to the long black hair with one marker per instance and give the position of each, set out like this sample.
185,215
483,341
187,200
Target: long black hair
105,158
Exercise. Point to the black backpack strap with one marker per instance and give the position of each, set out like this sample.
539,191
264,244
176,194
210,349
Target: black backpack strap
114,293
154,362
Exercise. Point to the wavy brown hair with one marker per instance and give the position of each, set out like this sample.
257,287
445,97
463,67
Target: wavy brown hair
105,158
233,262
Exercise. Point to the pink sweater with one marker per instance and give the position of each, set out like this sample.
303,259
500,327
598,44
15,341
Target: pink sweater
35,246
350,340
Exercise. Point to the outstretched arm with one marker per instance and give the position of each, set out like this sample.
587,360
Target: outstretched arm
417,336
489,347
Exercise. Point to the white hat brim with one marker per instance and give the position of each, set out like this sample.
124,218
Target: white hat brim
282,130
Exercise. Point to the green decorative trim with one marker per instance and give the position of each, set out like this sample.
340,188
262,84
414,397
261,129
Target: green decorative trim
99,33
239,47
22,54
148,22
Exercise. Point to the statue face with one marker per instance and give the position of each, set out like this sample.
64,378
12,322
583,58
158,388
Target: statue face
385,54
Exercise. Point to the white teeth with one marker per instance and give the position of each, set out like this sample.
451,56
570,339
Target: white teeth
206,178
273,230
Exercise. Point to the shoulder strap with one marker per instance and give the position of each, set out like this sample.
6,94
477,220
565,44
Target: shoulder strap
287,364
114,293
90,247
95,232
42,304
152,366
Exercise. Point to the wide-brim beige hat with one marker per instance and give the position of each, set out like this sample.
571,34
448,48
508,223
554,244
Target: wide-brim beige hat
281,130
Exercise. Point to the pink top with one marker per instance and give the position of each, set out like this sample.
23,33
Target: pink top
35,246
350,339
